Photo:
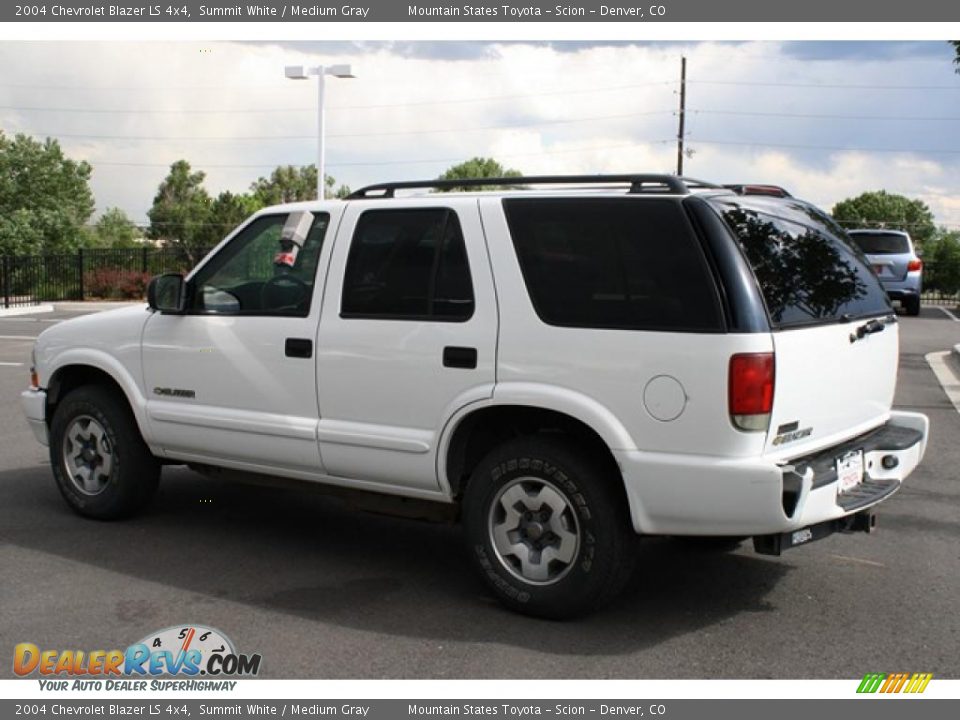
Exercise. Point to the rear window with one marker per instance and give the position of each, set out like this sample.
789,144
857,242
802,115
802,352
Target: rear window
881,243
807,270
613,263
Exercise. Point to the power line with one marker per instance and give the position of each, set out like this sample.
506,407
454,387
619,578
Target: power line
749,83
157,111
931,151
313,136
447,101
98,163
816,116
504,155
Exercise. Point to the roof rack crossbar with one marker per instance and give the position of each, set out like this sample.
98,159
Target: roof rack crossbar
643,183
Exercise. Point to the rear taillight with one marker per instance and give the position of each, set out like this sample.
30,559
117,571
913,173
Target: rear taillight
914,265
751,390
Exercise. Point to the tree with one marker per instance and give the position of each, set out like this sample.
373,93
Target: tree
45,197
881,209
956,59
115,230
180,215
478,167
289,183
227,211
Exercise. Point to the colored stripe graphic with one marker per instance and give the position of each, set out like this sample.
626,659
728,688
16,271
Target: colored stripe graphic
894,683
919,682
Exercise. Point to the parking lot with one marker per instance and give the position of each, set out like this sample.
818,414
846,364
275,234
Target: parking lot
324,591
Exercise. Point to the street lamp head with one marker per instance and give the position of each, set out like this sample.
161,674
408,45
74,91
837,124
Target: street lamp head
295,72
340,71
299,72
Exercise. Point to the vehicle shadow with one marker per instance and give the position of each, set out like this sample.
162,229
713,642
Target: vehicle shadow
300,552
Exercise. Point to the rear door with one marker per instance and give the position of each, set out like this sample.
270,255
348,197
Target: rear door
407,337
835,335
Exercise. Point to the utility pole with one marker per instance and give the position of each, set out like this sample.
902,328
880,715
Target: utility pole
682,114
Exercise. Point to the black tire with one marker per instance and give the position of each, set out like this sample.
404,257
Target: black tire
133,471
912,306
604,551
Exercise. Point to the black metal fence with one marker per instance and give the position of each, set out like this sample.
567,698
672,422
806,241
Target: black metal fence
88,274
123,275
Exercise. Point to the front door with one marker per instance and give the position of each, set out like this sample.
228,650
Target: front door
407,337
232,381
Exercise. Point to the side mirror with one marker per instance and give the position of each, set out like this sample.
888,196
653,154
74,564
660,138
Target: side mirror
167,293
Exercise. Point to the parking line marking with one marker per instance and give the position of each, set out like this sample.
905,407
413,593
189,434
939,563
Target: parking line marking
948,381
872,563
948,313
18,337
9,364
30,319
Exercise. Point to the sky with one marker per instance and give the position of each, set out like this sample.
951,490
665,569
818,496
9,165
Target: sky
826,120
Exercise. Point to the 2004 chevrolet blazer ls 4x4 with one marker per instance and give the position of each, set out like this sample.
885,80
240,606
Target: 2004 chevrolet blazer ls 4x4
568,361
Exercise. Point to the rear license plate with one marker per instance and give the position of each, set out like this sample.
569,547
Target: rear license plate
880,269
849,470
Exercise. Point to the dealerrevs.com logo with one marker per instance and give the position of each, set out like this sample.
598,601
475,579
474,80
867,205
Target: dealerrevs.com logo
181,651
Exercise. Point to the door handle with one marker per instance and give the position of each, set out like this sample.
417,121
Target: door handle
298,348
460,357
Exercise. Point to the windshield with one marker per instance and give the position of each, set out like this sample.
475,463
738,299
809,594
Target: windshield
807,269
881,243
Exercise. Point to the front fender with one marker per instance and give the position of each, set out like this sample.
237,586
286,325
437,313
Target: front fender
110,366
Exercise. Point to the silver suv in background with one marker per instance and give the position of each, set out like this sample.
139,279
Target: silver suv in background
896,263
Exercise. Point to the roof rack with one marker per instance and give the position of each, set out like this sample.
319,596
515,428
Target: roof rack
759,189
668,184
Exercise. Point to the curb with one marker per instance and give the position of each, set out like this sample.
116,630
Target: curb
956,352
94,306
26,310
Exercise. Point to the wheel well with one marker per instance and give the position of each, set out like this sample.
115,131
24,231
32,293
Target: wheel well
486,428
69,378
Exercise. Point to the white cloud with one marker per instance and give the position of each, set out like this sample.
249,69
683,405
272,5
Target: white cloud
579,109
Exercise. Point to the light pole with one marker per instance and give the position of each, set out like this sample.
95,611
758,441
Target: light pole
299,72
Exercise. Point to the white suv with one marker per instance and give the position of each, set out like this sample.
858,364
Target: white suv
566,364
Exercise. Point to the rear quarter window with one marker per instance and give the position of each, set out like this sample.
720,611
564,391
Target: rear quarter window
807,269
613,263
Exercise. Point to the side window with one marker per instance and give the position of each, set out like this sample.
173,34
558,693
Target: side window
613,263
408,265
268,269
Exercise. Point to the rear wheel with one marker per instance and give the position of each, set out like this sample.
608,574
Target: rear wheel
548,528
101,465
912,306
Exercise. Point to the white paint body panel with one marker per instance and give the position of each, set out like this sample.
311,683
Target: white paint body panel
376,409
384,393
599,376
108,341
836,387
252,403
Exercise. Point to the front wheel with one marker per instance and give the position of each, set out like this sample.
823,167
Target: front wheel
548,527
101,465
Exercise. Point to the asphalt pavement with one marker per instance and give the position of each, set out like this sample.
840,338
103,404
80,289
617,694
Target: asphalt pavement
324,591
